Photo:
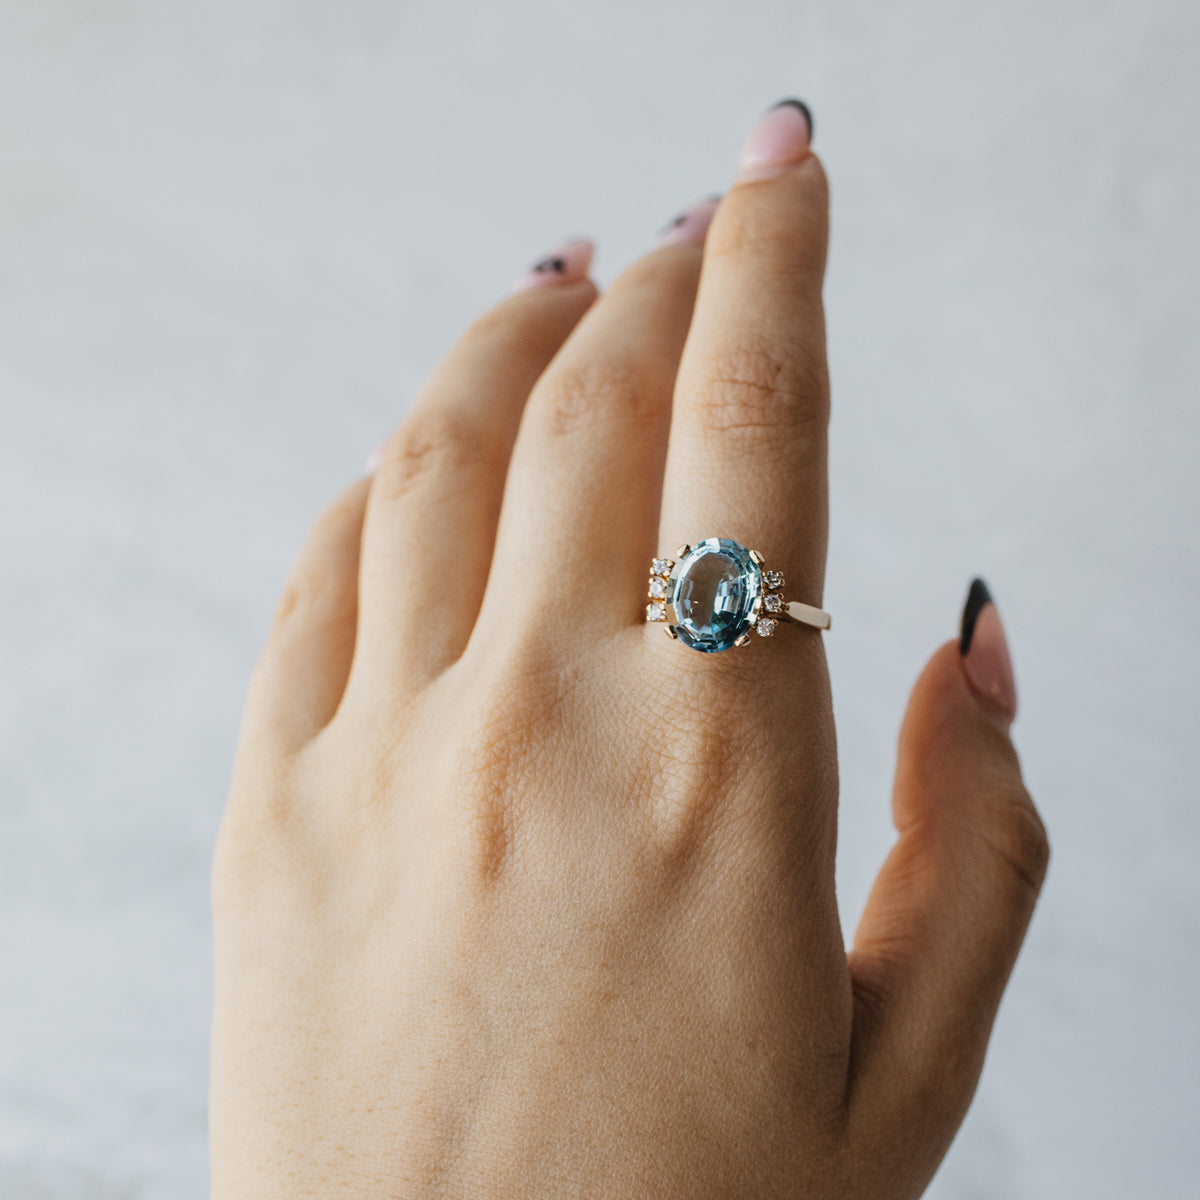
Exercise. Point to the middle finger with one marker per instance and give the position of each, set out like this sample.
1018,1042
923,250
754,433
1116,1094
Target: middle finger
582,496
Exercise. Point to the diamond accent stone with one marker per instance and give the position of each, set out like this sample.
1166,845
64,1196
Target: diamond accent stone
766,627
658,589
656,612
773,579
661,566
773,602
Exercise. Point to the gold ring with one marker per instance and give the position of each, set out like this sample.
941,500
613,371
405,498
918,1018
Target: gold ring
711,595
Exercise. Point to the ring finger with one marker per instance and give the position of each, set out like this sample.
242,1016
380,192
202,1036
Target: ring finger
747,455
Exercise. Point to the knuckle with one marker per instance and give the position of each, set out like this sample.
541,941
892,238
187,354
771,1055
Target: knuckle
1016,836
256,844
432,443
311,580
307,605
698,766
499,762
306,600
290,819
580,395
757,388
291,602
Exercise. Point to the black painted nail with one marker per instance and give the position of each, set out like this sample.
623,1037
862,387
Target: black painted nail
798,104
691,225
675,222
568,264
978,598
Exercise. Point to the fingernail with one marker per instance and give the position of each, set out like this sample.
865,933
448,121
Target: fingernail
691,225
985,656
779,141
568,264
374,459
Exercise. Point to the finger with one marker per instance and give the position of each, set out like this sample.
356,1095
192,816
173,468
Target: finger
747,448
586,475
435,500
301,674
949,910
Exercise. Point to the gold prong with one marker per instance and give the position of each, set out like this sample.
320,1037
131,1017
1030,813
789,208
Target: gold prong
756,558
670,632
683,551
744,640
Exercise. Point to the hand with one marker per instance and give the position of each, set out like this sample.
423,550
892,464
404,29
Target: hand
516,897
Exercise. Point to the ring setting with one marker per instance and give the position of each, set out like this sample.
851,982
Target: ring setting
711,595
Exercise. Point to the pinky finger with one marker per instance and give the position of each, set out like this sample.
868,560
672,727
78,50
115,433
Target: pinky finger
301,674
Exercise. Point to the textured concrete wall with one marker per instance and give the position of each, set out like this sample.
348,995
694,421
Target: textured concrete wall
233,235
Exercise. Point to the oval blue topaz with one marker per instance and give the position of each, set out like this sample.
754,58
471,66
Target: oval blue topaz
714,591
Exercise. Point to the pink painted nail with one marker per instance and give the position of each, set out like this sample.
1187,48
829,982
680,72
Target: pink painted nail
985,656
568,264
779,141
374,458
691,226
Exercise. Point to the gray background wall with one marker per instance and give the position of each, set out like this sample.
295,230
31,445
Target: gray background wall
233,236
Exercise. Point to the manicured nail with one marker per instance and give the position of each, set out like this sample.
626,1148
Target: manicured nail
779,141
691,225
985,657
568,264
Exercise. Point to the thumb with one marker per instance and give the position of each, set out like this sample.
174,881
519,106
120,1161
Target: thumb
950,907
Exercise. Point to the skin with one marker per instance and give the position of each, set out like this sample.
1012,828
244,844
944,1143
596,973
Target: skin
515,897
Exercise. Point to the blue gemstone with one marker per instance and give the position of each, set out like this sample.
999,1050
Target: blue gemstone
714,591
